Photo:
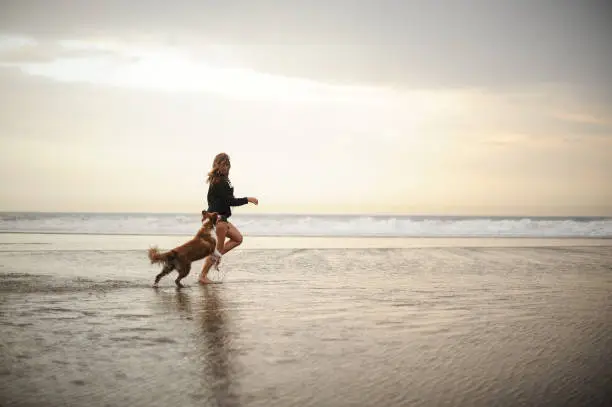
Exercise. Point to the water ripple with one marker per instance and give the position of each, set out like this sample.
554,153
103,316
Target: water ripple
426,327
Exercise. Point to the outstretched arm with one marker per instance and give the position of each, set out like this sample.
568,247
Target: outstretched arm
233,201
237,201
223,190
243,201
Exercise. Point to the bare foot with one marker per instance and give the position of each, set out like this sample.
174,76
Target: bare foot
206,280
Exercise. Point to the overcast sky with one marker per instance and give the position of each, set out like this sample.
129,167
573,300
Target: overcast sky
480,107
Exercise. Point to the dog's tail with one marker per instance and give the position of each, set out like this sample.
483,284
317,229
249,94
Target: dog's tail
158,257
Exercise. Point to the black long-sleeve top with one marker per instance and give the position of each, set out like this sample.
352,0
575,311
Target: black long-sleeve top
221,197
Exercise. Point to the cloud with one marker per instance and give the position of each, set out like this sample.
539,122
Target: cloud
399,43
417,147
24,51
594,119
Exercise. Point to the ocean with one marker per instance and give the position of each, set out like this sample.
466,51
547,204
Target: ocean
308,311
311,225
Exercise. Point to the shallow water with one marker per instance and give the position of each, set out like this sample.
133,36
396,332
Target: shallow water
310,327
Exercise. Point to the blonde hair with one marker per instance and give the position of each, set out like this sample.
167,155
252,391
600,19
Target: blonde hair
214,175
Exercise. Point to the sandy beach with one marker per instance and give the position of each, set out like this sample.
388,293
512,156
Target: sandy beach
308,322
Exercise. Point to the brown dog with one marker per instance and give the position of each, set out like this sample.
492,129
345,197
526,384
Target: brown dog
180,258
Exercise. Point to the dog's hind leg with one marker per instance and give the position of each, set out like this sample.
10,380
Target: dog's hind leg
183,271
168,267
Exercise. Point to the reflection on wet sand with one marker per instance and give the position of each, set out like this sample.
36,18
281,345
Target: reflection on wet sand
211,341
460,326
178,301
215,349
183,302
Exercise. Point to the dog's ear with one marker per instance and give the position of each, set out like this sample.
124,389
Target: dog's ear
213,216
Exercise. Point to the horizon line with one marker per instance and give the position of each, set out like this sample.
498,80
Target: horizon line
323,214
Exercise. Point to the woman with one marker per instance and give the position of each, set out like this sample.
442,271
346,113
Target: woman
221,199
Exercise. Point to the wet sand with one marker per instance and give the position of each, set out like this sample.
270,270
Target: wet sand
308,322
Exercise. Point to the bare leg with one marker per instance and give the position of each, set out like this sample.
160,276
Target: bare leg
205,269
235,239
221,229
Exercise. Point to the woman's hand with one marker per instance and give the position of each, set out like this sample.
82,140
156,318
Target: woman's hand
253,200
